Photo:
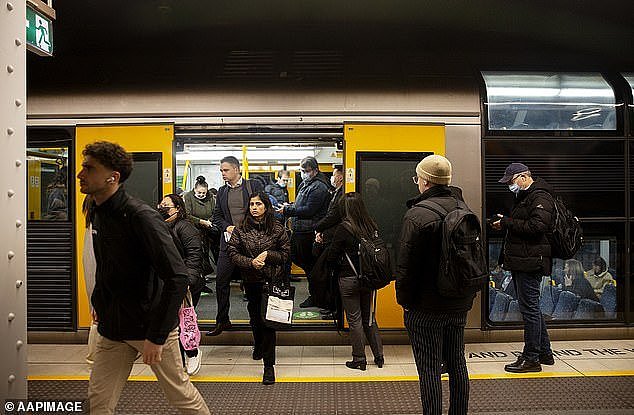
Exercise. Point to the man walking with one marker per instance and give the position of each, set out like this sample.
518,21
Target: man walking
527,255
435,324
232,202
140,284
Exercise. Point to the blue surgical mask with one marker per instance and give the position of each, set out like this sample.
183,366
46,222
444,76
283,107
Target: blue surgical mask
304,175
515,188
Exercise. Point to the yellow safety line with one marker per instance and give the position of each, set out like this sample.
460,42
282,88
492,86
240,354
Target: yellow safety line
233,379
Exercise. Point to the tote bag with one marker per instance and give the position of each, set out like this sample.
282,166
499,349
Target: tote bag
277,304
188,323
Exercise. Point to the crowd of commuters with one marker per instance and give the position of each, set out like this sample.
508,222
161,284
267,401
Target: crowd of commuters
140,263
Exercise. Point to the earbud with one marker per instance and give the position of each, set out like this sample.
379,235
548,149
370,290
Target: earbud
111,180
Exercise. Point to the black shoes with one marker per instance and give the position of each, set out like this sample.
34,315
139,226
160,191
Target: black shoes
360,364
257,354
379,361
307,303
220,327
269,375
547,359
522,365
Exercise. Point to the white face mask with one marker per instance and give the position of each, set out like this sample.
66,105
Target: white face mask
282,183
200,196
304,175
515,188
333,181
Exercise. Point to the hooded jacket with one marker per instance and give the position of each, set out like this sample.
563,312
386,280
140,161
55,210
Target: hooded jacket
187,240
245,245
311,204
419,251
526,245
141,279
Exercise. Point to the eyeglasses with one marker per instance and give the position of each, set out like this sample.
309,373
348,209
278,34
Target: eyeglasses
415,179
167,206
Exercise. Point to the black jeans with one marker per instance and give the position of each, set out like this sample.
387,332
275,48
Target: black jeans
302,253
224,271
263,336
536,340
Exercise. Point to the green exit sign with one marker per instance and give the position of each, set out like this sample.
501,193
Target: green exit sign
39,32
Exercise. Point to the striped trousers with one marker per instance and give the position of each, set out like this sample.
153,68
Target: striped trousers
436,338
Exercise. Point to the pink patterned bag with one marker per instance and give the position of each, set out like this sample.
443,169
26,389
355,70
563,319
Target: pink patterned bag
189,332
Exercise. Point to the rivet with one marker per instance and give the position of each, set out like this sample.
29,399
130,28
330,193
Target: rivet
18,163
18,102
10,68
18,223
10,254
11,316
10,193
10,131
18,283
11,378
9,6
19,344
18,42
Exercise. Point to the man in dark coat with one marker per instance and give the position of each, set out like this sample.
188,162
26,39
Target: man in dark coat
435,324
278,189
311,205
232,202
527,255
140,284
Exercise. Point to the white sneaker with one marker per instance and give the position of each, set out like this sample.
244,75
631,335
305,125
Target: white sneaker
192,364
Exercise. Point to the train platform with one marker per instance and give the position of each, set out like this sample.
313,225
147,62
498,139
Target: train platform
588,377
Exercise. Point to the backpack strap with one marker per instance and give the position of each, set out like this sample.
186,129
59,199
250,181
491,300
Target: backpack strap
435,207
346,225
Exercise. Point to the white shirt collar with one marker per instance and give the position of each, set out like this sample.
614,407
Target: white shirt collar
238,183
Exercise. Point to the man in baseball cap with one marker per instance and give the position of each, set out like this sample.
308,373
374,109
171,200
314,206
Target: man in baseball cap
511,170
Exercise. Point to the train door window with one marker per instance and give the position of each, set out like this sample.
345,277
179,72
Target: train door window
48,184
259,161
146,181
384,180
629,77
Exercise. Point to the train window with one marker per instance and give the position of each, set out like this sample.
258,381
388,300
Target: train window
146,181
594,280
48,184
549,101
629,77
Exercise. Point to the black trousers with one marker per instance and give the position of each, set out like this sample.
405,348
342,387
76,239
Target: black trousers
434,338
224,270
302,253
263,336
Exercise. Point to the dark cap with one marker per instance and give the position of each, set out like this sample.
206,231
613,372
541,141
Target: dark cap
511,170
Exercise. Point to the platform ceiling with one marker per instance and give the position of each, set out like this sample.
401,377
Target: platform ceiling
153,41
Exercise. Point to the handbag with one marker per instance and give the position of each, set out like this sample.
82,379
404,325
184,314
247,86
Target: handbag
277,304
188,323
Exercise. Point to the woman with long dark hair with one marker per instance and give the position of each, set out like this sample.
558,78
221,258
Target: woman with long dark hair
260,247
576,282
357,300
187,240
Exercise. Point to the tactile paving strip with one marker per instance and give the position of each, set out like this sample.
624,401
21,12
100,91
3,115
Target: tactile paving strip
598,395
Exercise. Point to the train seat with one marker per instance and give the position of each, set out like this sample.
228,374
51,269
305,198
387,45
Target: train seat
513,312
608,300
588,310
566,305
500,306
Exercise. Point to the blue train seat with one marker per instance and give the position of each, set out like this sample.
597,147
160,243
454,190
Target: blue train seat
492,294
548,299
513,312
608,300
588,310
566,305
500,306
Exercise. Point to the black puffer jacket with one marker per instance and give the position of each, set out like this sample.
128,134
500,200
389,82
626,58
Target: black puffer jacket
187,240
246,245
419,256
310,205
526,246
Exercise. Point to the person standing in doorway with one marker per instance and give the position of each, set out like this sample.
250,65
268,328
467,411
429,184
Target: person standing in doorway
140,283
199,206
232,203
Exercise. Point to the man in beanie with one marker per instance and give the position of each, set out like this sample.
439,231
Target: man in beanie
435,324
527,255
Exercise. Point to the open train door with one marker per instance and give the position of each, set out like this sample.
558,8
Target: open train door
380,160
152,149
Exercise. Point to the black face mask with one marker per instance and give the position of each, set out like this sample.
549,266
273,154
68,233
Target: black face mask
164,211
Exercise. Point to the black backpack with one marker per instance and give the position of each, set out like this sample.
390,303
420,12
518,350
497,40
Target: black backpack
566,235
375,266
463,269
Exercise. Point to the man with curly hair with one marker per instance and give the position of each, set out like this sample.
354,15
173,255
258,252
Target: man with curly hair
140,284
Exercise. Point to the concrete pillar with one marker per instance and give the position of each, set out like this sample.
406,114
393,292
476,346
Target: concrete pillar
13,353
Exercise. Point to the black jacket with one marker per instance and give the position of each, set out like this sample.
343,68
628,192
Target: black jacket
311,204
141,278
526,246
333,217
187,240
222,216
278,192
418,257
343,242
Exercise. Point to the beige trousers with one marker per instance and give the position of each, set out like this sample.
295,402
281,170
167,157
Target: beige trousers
112,365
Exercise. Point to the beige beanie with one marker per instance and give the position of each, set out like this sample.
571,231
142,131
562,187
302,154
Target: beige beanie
435,169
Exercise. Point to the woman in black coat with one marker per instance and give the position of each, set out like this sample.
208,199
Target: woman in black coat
576,282
187,240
